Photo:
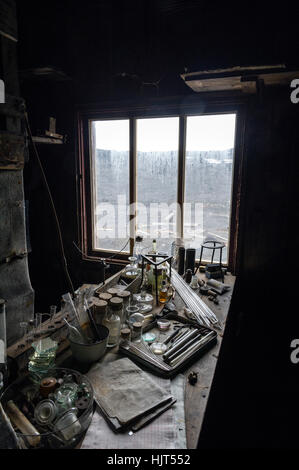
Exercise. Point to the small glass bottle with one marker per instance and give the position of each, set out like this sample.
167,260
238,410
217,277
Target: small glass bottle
163,296
125,338
154,249
112,320
99,309
125,296
138,249
137,332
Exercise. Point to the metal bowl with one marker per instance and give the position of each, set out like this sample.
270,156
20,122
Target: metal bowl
89,353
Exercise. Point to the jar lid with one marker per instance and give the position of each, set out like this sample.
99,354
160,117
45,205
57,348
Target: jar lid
113,291
116,303
105,296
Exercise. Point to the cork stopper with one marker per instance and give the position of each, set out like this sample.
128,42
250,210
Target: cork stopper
116,303
113,291
99,304
105,296
125,333
124,294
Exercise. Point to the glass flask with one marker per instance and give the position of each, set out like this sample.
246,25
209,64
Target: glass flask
131,270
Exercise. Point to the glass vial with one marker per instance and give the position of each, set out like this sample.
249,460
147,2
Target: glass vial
137,332
163,296
125,338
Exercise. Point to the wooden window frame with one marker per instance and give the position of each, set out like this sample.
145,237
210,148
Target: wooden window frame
175,107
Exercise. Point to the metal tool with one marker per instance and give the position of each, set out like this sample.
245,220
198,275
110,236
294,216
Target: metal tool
183,348
173,335
189,335
193,348
179,337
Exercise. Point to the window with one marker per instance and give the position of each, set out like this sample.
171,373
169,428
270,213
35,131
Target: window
157,174
110,183
160,176
209,167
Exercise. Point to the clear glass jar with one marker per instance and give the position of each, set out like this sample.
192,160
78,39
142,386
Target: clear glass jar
125,296
99,309
113,320
130,310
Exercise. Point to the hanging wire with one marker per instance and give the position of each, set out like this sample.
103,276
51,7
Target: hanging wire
57,224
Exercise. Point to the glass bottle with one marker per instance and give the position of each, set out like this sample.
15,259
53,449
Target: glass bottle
137,332
125,338
125,296
99,309
112,320
154,249
138,249
163,296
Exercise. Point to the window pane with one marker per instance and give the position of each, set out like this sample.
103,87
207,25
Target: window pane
209,167
110,150
157,167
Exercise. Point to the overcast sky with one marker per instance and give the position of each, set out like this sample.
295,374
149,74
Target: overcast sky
215,132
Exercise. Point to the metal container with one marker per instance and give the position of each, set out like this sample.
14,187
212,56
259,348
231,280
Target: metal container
89,353
53,429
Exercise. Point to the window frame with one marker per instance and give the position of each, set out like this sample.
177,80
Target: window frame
181,108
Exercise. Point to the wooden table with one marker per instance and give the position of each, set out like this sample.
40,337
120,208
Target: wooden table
196,396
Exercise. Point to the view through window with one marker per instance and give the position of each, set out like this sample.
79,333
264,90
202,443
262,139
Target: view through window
208,181
110,140
157,174
208,185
